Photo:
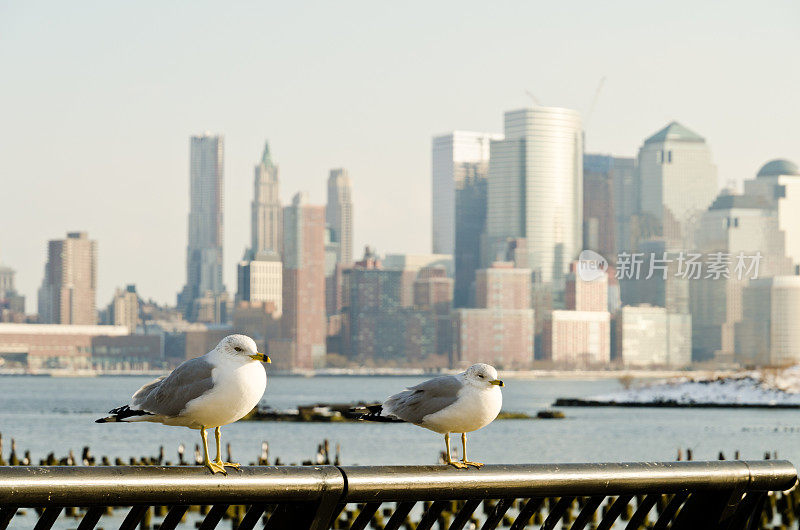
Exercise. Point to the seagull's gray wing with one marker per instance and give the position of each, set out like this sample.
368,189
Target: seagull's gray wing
413,404
168,395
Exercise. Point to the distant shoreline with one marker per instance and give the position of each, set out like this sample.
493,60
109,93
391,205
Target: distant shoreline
584,375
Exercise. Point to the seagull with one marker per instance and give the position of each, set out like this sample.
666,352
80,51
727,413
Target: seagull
462,403
212,390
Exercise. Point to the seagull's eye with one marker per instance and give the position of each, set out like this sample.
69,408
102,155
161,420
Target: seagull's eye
480,375
237,348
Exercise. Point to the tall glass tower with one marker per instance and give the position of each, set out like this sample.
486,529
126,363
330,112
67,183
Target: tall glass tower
204,251
535,190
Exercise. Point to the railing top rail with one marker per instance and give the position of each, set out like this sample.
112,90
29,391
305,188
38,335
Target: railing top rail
129,485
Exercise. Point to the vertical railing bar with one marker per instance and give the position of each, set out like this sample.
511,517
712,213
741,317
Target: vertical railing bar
47,519
497,514
214,516
671,509
91,517
527,512
431,514
133,518
6,515
616,509
557,512
463,515
336,512
365,516
252,516
755,517
174,517
399,516
586,512
642,510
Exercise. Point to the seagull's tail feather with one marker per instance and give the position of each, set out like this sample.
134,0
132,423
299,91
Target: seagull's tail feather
122,414
371,413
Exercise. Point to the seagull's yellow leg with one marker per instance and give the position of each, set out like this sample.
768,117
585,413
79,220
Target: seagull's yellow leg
218,436
450,461
213,466
464,453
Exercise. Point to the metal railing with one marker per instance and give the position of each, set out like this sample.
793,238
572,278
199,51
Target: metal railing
676,495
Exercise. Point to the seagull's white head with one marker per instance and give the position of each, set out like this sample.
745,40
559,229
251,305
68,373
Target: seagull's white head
482,375
241,347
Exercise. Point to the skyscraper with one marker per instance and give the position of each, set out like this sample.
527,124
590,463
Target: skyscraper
267,217
453,156
67,294
470,225
339,214
204,251
678,182
620,173
304,316
535,190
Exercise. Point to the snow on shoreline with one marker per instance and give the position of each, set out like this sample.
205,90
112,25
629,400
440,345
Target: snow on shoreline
748,388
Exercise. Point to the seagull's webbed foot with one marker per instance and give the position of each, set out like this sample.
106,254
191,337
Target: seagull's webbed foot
216,467
234,465
475,464
456,464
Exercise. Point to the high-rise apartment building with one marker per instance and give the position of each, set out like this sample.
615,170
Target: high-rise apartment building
500,330
339,214
204,251
768,333
266,212
535,190
260,280
124,308
304,319
678,182
454,157
67,294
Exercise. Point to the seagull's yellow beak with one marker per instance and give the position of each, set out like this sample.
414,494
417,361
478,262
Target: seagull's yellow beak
497,382
260,357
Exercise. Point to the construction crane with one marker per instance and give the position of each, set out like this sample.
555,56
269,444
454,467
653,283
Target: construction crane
594,102
533,98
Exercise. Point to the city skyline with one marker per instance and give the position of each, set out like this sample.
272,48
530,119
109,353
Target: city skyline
120,127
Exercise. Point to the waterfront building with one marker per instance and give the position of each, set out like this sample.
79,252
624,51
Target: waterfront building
622,204
204,250
649,336
577,338
266,209
535,190
778,183
768,334
677,183
453,157
339,214
304,317
51,346
500,330
68,291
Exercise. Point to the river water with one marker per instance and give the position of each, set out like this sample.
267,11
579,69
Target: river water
47,414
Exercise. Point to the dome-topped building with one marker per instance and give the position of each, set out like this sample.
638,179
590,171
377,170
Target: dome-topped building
777,167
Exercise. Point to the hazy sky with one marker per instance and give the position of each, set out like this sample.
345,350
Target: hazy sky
98,100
